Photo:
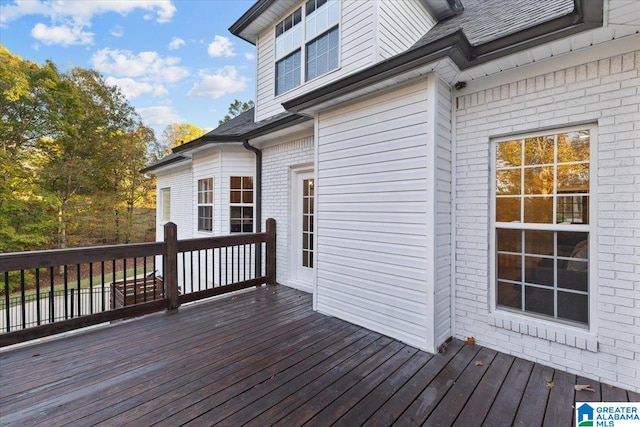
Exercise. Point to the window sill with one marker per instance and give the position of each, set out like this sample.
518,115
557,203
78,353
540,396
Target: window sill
550,331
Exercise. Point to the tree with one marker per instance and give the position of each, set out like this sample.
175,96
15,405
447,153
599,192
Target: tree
27,114
93,121
235,109
177,134
71,148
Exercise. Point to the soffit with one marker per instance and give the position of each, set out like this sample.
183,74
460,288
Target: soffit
261,16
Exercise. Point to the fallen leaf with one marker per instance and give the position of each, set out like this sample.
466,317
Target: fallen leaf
478,363
550,384
470,341
609,386
584,387
442,348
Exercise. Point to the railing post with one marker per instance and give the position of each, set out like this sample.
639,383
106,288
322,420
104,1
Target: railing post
271,250
171,264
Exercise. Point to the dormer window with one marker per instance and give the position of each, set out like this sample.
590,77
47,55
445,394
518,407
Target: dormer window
318,32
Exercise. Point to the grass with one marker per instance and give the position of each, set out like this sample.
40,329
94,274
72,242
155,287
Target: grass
84,284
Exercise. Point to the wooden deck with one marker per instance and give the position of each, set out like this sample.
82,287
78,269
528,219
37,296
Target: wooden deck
263,357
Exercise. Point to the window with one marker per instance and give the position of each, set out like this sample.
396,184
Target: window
322,54
165,203
241,204
318,32
205,204
288,72
542,197
307,223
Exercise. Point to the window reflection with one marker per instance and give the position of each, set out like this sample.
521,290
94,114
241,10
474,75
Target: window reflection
543,182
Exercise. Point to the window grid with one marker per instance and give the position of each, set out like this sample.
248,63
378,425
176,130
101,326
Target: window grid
241,204
293,59
307,223
526,272
205,204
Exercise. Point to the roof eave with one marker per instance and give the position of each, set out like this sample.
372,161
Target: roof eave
247,18
162,164
276,125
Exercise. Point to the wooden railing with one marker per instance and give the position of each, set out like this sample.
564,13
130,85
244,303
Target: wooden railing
49,292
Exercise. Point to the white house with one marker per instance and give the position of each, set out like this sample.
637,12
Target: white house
441,168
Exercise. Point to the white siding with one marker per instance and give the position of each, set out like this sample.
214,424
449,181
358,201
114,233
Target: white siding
356,52
206,164
219,163
235,162
442,218
372,203
180,181
400,24
277,162
605,92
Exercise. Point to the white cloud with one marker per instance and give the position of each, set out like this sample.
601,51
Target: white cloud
226,80
149,65
61,35
249,56
71,19
117,31
84,11
132,88
221,46
160,115
175,44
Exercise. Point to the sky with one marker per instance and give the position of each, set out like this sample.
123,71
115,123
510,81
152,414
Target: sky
174,60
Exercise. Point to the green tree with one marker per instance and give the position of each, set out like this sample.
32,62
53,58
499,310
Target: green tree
27,114
80,161
235,109
71,148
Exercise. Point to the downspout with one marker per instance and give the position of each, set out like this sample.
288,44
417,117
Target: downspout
258,186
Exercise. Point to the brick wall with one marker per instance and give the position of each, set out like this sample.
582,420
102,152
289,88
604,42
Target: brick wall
277,162
605,92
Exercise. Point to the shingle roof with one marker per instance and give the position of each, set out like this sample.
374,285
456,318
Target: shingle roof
243,126
240,121
236,130
486,20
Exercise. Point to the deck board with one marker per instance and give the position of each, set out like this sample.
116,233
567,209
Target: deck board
264,357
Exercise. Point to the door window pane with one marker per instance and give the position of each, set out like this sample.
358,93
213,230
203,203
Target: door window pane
307,222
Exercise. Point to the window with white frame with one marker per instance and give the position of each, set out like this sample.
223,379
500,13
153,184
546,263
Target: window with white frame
241,204
165,203
542,197
317,33
205,204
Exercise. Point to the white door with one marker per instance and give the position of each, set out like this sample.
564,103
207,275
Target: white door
303,227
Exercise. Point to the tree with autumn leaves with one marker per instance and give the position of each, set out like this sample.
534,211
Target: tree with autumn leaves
71,148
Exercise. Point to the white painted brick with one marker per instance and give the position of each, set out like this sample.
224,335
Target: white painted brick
605,92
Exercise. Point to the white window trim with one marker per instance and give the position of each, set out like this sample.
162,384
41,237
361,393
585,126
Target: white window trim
302,47
199,205
163,204
243,204
583,337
